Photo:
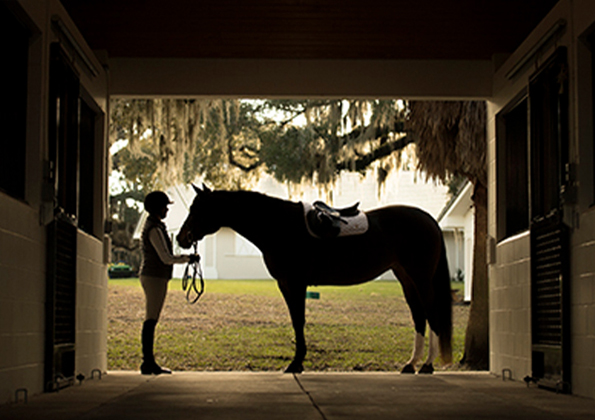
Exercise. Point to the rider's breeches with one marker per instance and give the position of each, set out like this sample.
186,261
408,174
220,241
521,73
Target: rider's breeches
155,291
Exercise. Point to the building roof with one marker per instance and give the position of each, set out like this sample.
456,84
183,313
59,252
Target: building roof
457,206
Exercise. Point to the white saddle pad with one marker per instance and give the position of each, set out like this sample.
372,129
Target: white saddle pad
355,225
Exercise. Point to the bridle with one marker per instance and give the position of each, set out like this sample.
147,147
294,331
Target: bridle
189,279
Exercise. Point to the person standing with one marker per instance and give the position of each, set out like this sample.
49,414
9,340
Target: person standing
155,273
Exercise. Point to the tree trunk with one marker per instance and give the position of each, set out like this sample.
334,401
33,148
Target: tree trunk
477,350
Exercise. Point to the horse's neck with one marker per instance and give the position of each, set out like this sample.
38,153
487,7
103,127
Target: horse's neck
257,217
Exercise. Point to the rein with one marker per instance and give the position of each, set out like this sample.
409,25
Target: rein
193,269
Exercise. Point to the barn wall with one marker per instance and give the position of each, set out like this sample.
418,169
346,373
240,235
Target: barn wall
22,305
24,221
583,239
510,278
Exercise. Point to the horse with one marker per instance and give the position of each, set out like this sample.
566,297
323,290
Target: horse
403,239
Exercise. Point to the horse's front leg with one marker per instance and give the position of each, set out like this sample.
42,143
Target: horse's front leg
295,297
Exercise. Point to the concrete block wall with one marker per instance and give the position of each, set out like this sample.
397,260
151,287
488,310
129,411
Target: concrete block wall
582,296
582,292
22,302
510,303
91,310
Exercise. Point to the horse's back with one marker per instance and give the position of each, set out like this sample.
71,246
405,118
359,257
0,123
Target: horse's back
397,236
406,220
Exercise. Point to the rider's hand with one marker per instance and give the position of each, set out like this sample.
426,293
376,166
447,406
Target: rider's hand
194,258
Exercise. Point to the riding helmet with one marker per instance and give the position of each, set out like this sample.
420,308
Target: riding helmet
155,201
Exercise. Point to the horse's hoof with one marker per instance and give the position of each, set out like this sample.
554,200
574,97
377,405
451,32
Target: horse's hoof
427,369
294,368
408,369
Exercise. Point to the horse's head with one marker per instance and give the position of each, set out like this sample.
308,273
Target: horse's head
202,220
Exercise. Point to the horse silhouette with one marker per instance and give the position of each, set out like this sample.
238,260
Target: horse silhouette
403,239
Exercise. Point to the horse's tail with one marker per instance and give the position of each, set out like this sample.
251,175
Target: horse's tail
442,308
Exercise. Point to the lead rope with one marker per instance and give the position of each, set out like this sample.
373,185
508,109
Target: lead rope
190,273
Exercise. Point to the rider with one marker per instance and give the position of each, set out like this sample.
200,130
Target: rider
155,273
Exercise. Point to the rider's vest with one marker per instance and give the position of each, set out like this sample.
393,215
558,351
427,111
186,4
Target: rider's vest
152,265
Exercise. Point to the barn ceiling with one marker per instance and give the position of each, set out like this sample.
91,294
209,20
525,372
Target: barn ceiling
307,29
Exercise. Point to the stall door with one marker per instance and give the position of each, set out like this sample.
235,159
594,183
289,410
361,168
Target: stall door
60,305
548,93
63,182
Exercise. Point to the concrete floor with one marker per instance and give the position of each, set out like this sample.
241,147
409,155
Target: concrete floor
316,396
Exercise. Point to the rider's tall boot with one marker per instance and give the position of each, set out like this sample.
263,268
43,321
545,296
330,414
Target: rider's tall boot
149,366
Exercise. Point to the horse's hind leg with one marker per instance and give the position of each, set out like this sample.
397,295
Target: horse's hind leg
419,321
428,366
295,297
418,351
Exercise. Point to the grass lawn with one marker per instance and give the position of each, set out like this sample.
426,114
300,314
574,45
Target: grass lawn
245,325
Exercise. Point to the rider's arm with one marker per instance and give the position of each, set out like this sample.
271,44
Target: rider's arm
159,243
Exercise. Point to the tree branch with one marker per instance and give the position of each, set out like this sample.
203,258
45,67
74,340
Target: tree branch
381,132
386,149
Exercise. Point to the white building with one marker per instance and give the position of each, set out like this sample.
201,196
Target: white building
457,222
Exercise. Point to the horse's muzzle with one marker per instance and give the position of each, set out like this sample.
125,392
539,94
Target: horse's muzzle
184,239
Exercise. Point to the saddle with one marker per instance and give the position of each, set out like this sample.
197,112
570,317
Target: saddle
324,221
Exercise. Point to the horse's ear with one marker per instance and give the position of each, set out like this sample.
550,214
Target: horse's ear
203,191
